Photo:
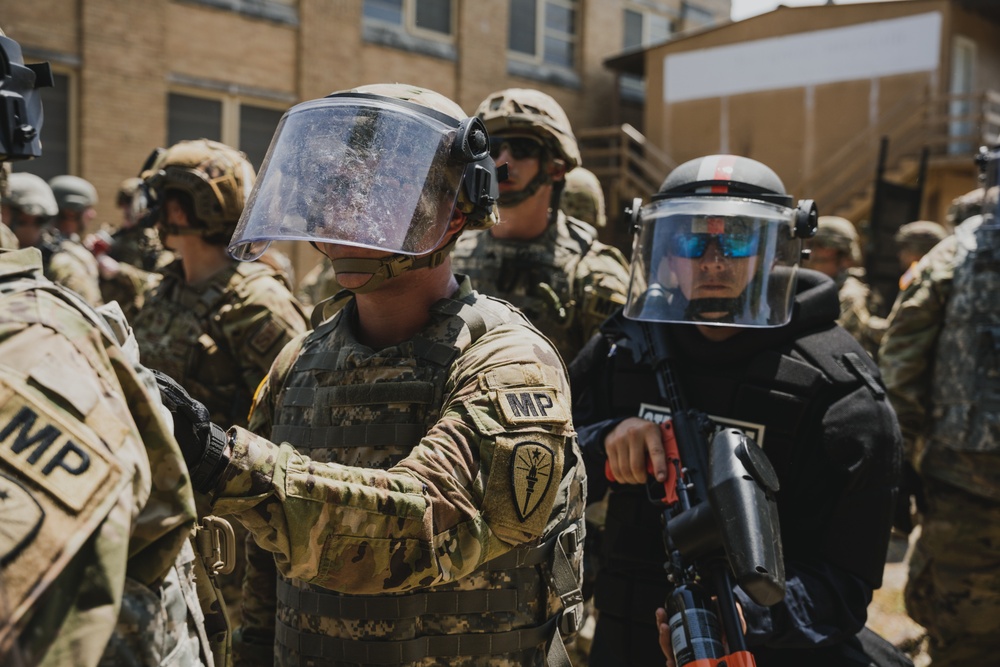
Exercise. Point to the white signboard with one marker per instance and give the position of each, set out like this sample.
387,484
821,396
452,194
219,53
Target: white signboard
857,52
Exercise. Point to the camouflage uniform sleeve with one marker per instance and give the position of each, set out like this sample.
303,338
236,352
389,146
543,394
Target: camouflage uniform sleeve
68,269
602,283
482,480
88,392
908,346
258,327
129,288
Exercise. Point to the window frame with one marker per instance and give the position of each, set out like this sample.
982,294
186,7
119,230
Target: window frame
542,31
229,115
409,24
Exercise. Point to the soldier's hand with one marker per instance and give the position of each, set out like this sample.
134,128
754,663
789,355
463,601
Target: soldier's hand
629,444
202,442
663,627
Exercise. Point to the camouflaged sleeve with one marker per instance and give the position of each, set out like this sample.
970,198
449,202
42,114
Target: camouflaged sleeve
483,480
602,284
907,350
258,327
856,318
70,270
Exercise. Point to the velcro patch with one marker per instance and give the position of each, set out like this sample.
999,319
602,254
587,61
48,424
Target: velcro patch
523,484
531,405
530,476
49,451
22,515
266,336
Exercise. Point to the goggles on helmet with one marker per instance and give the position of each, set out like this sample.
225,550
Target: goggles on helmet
520,148
721,260
361,170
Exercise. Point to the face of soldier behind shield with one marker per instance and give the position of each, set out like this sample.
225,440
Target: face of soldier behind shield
711,276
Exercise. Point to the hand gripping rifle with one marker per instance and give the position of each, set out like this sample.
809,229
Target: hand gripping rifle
720,525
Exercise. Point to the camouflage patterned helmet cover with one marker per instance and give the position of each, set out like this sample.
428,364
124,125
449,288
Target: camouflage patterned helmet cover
527,111
31,195
837,233
969,204
216,176
921,235
73,193
583,198
477,218
127,190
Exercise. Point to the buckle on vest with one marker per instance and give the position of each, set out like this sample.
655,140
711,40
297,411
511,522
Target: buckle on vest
216,545
570,620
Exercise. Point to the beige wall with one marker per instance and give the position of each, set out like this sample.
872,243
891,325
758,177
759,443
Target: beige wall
794,130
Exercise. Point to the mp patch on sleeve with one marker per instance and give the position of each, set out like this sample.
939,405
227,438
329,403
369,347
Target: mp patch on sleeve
49,451
531,405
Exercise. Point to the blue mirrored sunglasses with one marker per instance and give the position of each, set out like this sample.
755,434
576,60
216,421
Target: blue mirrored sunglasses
692,246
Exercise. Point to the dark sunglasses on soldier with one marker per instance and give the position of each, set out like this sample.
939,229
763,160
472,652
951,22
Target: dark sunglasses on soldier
693,246
520,148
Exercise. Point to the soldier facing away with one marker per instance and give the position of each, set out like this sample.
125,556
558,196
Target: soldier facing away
547,264
95,561
941,362
426,504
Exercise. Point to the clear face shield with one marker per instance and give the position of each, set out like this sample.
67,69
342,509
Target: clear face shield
718,260
356,171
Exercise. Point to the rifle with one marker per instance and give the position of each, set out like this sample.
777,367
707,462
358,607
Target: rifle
720,524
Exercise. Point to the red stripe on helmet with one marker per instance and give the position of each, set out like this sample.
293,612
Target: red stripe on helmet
723,172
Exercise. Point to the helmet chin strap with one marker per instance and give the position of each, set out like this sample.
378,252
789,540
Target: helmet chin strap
509,199
381,269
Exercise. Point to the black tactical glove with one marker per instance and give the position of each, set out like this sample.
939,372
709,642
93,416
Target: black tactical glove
202,442
910,486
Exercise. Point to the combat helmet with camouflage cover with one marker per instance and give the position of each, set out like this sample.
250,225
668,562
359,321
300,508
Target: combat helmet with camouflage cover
73,193
838,233
583,198
216,177
30,195
531,112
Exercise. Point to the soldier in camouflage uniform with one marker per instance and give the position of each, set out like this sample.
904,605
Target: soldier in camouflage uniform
8,240
835,251
913,241
95,561
425,507
212,323
76,199
128,256
583,198
941,362
29,206
549,265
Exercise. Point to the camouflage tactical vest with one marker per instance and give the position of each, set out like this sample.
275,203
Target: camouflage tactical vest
966,386
537,276
343,403
179,334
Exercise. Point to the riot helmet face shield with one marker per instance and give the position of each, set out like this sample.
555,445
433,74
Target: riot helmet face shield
717,260
359,170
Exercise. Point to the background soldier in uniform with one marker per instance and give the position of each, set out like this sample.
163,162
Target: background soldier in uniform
548,265
941,363
913,241
76,199
212,323
29,206
835,251
134,245
754,344
438,516
95,561
583,198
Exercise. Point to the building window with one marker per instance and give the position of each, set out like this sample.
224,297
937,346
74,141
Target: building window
544,32
696,16
642,28
428,18
241,125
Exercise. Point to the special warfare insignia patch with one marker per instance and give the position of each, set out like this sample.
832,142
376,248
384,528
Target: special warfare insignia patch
530,476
